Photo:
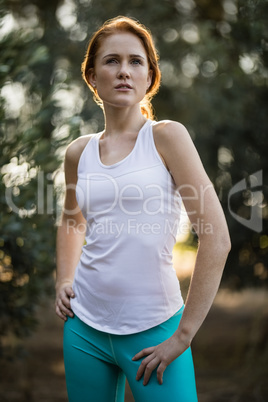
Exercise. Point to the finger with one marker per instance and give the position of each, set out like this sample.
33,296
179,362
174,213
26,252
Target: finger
144,352
143,366
160,371
151,366
70,292
59,313
64,309
65,297
65,300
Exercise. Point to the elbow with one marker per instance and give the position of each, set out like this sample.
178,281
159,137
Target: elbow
220,242
226,246
225,240
223,244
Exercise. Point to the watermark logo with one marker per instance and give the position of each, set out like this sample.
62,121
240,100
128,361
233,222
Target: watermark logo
133,226
134,199
255,201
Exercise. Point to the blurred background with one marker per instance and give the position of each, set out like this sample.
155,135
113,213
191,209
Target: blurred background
214,63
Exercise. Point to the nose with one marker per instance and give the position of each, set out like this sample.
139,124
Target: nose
123,71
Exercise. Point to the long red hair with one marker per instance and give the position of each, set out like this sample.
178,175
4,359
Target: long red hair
125,24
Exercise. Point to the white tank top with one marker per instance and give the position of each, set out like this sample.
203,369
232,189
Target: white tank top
125,281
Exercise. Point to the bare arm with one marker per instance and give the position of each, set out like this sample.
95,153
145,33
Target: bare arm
70,234
201,202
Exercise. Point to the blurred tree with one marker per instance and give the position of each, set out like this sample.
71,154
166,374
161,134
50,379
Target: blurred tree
33,137
214,66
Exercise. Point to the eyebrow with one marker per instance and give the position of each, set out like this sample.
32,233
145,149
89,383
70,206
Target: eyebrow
118,55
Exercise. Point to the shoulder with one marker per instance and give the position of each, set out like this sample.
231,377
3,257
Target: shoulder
72,156
169,130
170,135
76,147
175,146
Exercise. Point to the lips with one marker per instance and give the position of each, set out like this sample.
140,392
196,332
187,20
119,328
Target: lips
123,86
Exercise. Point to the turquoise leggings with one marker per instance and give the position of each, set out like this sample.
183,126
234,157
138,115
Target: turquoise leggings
97,365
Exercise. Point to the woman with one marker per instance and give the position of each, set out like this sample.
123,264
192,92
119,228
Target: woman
124,188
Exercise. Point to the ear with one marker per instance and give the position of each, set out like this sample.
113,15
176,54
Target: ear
149,78
91,76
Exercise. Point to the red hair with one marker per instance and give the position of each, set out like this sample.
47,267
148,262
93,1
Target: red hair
125,24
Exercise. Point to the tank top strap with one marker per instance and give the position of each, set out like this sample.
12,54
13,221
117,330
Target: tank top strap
88,157
146,148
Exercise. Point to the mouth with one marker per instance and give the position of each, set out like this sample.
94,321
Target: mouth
123,86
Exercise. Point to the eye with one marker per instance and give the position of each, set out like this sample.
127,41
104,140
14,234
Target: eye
111,61
136,61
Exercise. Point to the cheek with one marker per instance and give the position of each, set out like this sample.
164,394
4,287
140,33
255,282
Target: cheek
104,76
142,79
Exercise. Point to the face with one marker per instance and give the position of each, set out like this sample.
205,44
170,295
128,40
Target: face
121,74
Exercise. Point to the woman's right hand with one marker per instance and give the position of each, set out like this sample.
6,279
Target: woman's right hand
62,303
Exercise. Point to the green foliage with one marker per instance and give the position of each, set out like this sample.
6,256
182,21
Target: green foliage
214,64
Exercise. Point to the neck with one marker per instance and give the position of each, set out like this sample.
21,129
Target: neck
119,121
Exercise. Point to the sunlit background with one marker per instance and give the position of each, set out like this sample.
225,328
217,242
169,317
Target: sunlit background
214,64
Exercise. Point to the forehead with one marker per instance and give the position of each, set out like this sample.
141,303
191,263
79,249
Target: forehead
122,41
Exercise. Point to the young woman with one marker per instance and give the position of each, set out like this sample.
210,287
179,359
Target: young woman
124,186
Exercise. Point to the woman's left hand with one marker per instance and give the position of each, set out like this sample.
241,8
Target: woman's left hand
159,356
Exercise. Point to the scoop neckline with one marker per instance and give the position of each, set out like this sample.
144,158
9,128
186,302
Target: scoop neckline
126,157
